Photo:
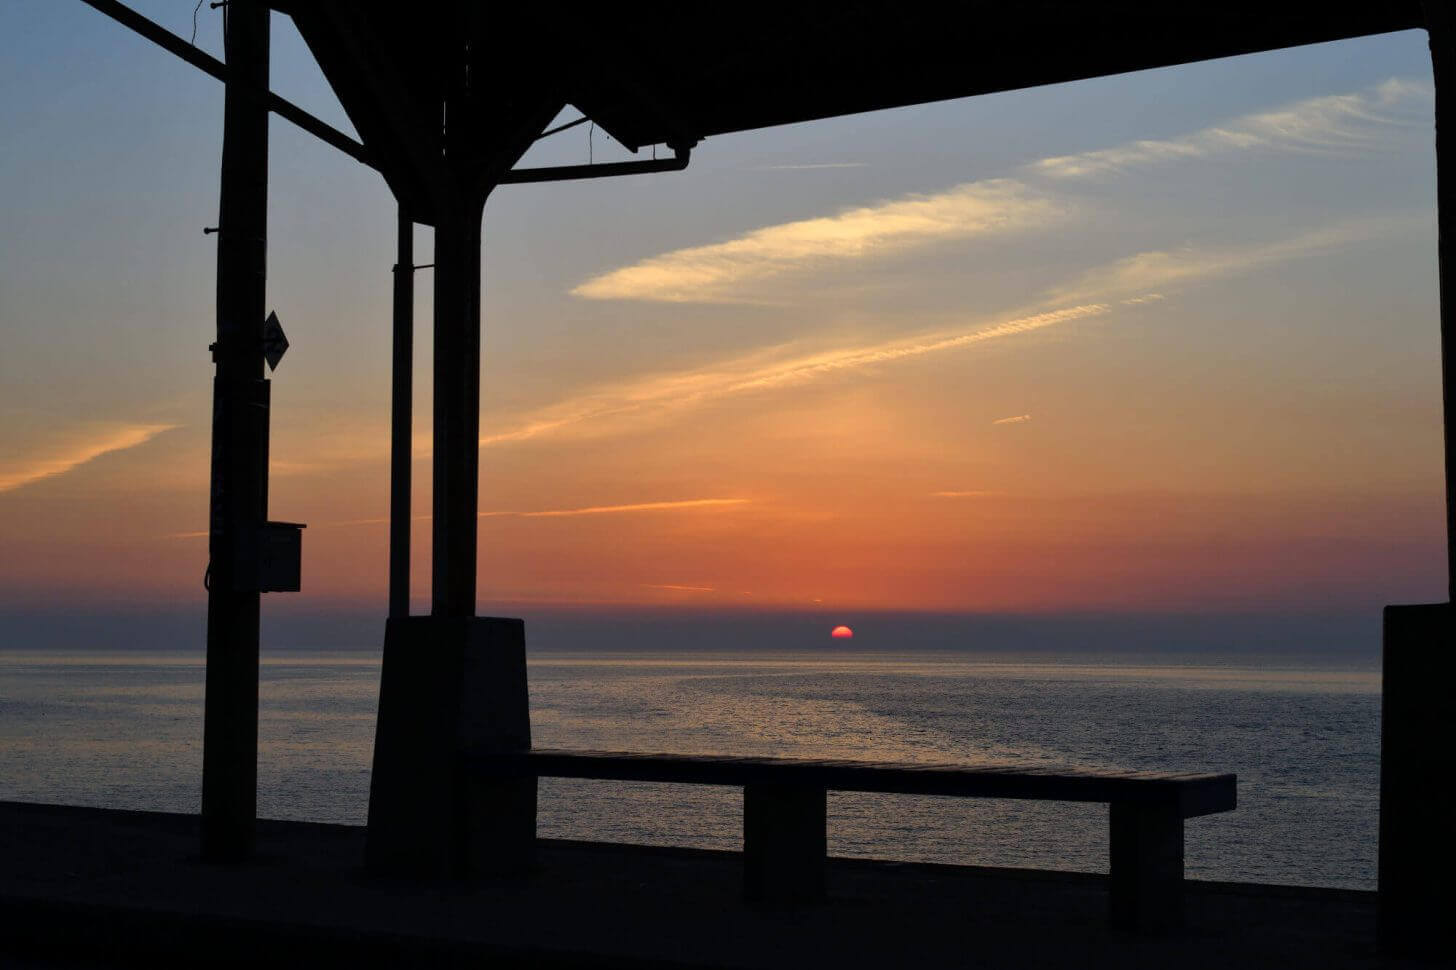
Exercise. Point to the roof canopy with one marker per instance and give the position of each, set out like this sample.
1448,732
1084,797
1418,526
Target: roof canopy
675,74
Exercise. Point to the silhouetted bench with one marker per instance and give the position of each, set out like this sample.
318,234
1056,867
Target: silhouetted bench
784,809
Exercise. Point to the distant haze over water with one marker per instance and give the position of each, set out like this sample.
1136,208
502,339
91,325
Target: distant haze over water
1351,637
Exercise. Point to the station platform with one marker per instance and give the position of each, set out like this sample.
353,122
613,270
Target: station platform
94,887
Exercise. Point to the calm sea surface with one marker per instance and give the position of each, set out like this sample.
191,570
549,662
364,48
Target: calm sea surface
124,729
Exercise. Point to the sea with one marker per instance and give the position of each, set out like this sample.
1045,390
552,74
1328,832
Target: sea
1300,726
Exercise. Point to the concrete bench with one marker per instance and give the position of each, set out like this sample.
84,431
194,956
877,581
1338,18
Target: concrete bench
784,808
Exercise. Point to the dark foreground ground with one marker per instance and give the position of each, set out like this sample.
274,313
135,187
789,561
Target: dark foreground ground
91,887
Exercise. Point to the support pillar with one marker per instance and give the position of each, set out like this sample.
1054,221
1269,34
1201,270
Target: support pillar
457,408
401,419
239,498
453,684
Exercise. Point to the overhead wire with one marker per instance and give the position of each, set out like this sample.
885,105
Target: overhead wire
559,128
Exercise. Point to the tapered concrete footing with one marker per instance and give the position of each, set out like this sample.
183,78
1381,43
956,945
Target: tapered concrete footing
451,686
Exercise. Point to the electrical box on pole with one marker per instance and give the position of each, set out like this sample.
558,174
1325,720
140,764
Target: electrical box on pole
280,557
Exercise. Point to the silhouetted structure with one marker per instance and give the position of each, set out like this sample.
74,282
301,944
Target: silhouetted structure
446,97
784,812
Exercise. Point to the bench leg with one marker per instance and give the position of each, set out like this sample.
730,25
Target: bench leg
1146,867
784,844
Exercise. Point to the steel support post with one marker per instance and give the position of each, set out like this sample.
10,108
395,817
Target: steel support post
457,408
402,420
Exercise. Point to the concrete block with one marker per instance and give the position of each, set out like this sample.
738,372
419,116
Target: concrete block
450,686
1417,758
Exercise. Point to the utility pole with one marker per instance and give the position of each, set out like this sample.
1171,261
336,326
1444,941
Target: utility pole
239,499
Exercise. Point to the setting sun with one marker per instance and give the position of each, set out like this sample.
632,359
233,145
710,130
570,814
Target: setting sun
842,633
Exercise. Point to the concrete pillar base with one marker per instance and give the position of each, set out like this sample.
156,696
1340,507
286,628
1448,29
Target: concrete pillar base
450,686
1417,854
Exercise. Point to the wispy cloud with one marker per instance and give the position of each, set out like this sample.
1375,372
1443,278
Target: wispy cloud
807,167
693,503
684,589
667,393
1158,270
74,449
1335,124
1141,279
718,272
727,272
1015,419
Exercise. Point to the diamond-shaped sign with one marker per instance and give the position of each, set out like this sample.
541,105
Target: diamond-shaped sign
275,342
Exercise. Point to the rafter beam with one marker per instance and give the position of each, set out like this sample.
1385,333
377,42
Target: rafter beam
389,116
283,108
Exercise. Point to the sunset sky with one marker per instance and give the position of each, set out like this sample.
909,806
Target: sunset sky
1164,341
